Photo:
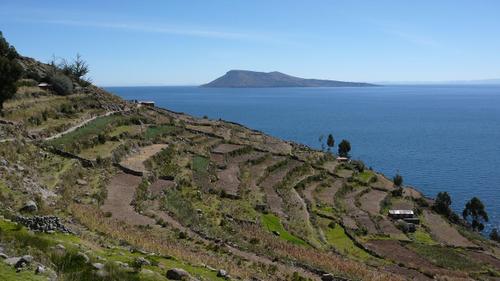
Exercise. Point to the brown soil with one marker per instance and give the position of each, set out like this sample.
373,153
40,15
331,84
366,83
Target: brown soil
394,251
229,179
121,190
326,195
343,173
484,258
224,148
370,201
136,161
159,186
273,200
443,232
408,273
383,183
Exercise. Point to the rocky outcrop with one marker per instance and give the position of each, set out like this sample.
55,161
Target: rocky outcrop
43,224
177,274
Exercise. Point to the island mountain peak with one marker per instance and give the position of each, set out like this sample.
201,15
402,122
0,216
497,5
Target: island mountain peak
255,79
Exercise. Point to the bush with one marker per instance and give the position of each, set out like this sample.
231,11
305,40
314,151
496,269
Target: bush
398,192
398,180
61,83
494,235
10,71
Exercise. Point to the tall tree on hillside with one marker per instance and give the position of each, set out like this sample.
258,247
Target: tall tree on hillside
442,203
494,235
344,148
476,211
10,71
330,142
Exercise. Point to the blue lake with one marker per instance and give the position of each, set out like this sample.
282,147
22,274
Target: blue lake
440,138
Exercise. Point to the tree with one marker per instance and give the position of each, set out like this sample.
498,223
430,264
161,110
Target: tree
476,211
344,148
494,235
398,180
79,67
442,203
330,142
10,71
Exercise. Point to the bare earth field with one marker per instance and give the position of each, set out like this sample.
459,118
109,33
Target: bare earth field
136,161
121,190
443,232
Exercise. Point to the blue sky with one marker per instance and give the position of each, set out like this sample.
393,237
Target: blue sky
179,42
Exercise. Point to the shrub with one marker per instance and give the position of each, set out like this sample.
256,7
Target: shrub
494,235
398,180
398,192
61,83
10,71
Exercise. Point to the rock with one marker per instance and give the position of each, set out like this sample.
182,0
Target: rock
177,274
19,167
81,182
83,256
4,162
40,269
331,277
12,261
142,261
277,233
60,247
222,273
98,265
23,261
122,264
30,206
3,256
42,223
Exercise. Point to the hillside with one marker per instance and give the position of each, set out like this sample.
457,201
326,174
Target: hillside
96,188
253,79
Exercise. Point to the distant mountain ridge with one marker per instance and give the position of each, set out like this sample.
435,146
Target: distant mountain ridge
254,79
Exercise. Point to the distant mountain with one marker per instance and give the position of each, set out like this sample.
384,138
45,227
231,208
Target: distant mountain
253,79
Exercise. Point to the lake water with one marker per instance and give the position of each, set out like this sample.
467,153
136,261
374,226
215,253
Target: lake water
440,138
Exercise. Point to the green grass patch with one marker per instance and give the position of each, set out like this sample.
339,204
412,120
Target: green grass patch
200,164
423,237
445,257
337,238
158,131
8,273
273,224
93,128
130,129
103,150
365,176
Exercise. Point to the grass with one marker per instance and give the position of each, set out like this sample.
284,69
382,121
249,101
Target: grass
445,257
9,273
93,128
365,176
200,164
337,237
422,237
130,129
103,150
272,223
158,131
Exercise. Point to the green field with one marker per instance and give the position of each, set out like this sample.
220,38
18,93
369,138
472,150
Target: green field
200,164
337,237
273,223
102,150
158,131
93,128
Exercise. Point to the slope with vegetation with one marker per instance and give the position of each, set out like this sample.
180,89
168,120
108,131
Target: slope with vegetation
151,194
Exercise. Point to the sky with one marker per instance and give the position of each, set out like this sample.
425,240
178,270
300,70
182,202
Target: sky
179,42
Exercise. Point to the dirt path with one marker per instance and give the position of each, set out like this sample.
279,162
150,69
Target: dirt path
121,190
77,126
136,161
443,232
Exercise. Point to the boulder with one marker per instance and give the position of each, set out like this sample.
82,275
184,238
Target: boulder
98,265
30,206
222,273
177,274
3,256
83,257
81,182
40,269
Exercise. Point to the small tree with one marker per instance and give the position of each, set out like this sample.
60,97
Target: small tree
442,203
330,142
476,211
10,71
344,148
398,180
494,235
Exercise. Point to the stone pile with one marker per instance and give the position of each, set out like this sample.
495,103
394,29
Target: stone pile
47,224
